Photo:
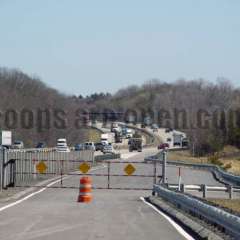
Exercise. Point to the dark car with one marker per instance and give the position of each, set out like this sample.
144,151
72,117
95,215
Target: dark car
168,130
99,146
41,145
163,146
79,147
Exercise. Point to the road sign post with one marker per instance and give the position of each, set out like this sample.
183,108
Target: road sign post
179,179
164,166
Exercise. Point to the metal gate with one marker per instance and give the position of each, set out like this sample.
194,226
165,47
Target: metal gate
38,169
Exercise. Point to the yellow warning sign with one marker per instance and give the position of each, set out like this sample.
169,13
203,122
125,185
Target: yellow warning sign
41,167
84,167
129,169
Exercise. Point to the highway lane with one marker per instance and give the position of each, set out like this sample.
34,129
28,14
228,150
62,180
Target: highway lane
113,214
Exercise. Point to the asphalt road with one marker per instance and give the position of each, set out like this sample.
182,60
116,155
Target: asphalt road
54,214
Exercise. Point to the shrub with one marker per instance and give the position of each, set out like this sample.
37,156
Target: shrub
214,159
228,166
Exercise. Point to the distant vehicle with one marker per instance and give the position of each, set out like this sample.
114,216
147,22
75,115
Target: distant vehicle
18,144
168,130
129,133
108,149
118,137
124,131
135,144
6,139
147,120
154,127
143,125
114,127
41,145
163,146
79,147
185,142
107,138
177,139
130,118
89,146
62,145
99,146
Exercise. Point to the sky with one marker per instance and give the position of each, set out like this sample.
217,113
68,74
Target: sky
82,47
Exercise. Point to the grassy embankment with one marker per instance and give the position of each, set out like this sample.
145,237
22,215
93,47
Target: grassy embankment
229,159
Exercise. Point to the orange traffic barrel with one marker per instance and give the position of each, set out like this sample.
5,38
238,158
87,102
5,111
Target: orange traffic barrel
85,190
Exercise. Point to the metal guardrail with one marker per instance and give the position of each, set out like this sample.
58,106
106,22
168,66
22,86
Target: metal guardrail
107,157
229,222
34,150
204,189
217,171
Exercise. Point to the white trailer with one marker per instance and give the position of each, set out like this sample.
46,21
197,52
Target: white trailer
6,138
107,138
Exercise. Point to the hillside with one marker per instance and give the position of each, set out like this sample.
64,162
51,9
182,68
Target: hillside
36,112
208,112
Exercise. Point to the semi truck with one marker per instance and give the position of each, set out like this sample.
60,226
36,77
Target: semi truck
177,139
118,137
135,143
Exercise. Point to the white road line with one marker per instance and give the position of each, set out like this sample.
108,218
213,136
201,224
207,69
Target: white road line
174,224
41,190
28,196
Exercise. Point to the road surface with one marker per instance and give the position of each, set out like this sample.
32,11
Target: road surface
54,214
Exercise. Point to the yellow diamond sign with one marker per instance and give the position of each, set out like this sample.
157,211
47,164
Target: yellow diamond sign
41,167
84,168
129,169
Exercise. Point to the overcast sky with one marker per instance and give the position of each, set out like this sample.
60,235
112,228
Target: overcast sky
81,47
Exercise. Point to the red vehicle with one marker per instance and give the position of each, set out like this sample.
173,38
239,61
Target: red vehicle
163,146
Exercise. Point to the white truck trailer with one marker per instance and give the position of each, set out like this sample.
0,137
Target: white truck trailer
6,138
107,138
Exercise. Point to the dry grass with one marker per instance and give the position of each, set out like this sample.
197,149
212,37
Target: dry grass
233,204
186,156
94,135
233,162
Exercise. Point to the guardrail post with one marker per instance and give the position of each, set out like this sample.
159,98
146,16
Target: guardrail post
204,190
230,191
182,188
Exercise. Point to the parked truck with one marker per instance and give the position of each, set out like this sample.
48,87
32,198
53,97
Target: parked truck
6,138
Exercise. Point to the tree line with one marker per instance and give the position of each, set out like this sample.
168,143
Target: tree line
208,112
